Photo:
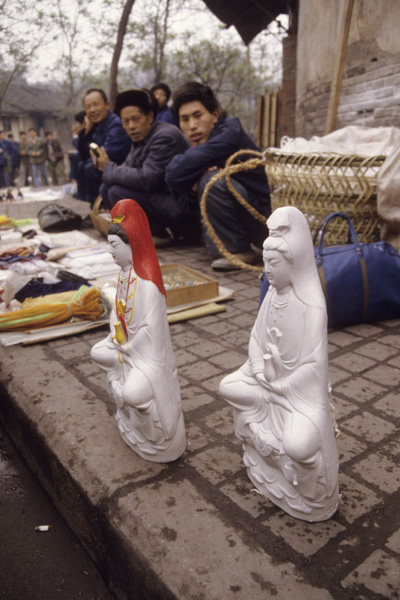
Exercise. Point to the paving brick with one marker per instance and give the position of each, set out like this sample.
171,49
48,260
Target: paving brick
342,407
393,542
73,350
377,351
395,362
359,389
184,357
245,321
205,348
229,360
384,374
241,491
365,330
389,405
221,421
331,348
248,305
212,384
218,329
369,427
306,538
379,573
380,471
198,371
336,375
342,338
348,447
393,323
353,362
181,339
356,499
194,397
196,438
217,463
239,337
88,367
391,340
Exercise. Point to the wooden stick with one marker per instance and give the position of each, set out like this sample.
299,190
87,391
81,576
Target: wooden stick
344,28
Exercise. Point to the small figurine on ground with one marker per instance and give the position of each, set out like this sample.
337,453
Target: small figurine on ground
280,395
137,355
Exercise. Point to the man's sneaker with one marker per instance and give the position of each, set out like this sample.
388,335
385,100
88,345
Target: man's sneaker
162,242
223,264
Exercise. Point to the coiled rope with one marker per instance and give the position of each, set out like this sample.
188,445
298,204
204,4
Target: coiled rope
227,171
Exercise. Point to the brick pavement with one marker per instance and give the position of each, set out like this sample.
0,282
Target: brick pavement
195,528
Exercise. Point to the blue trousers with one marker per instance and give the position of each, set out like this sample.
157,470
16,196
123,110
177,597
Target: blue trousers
36,169
161,209
233,224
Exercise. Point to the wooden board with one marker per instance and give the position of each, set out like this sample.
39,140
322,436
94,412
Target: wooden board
184,285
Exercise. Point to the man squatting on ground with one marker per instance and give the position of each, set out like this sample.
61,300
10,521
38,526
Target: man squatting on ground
103,128
142,176
213,139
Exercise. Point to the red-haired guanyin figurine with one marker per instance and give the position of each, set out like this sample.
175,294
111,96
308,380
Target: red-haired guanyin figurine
137,355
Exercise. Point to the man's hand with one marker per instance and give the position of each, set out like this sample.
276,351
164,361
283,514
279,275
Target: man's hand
101,161
77,128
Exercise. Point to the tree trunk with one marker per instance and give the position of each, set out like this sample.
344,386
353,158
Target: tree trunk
113,91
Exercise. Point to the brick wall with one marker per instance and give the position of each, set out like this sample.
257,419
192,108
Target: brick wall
370,93
370,96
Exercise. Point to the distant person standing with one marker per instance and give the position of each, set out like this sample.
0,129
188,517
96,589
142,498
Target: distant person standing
54,157
4,160
2,163
25,171
13,153
162,94
36,153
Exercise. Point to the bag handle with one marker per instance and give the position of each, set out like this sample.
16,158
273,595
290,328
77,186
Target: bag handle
322,228
356,243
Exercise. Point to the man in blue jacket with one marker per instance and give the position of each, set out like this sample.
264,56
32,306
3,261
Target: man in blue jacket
104,128
213,139
142,175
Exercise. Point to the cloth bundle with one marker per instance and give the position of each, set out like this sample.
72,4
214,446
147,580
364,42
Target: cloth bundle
86,303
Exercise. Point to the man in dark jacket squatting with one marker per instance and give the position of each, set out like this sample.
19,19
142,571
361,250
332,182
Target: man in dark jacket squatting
142,175
103,128
213,140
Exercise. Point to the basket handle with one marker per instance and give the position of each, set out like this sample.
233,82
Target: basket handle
352,235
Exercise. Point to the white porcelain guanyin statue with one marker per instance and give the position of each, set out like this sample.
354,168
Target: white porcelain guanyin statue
280,395
137,355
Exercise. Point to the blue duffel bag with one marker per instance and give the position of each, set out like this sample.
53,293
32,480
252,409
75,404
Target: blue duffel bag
361,282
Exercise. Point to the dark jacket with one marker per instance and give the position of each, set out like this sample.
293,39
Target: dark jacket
2,156
57,150
110,134
166,115
144,167
227,137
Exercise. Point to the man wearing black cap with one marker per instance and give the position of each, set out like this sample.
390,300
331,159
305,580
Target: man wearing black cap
142,175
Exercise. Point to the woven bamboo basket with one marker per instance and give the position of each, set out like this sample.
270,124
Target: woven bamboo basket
100,220
319,184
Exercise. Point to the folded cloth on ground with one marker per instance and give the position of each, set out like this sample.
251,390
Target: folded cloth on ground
36,288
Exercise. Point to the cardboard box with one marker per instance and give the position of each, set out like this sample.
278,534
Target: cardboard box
184,285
